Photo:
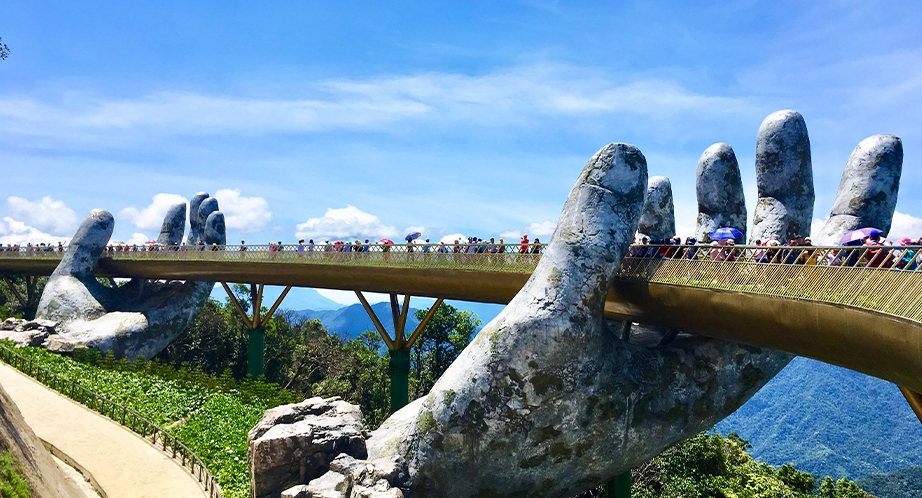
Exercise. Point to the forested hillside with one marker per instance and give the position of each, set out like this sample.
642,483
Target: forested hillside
828,420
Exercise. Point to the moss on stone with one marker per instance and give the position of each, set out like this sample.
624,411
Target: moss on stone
542,382
427,422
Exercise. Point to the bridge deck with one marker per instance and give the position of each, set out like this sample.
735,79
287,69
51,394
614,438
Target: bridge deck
861,317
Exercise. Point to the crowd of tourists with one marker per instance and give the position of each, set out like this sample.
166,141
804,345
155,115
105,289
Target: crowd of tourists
870,251
472,245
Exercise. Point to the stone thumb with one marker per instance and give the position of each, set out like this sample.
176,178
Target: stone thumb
87,245
595,229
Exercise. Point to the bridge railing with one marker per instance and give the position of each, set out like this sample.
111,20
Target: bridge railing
118,413
885,279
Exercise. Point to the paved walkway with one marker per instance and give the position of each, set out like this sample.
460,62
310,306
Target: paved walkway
124,464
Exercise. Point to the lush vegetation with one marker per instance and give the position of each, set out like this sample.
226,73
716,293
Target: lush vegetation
904,483
12,482
711,465
197,388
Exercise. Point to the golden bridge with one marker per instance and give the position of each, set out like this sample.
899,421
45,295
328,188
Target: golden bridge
846,306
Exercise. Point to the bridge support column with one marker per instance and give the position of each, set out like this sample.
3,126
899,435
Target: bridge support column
256,326
399,346
620,486
29,300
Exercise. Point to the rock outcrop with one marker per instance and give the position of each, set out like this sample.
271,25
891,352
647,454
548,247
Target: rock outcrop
657,221
295,444
784,177
27,332
719,188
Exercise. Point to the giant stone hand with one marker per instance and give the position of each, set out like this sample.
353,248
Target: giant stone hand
140,317
547,401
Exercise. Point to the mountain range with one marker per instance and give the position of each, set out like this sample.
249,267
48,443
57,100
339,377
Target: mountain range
829,420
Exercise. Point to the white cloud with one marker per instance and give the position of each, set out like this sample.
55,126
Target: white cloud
905,225
137,238
247,214
46,214
543,229
452,237
17,232
151,217
345,223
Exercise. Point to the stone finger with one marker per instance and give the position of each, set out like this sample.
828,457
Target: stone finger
719,188
868,190
657,221
784,177
196,222
174,225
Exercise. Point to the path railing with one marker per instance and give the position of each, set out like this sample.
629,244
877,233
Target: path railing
123,415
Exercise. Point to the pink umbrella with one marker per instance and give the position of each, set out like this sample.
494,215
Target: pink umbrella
387,241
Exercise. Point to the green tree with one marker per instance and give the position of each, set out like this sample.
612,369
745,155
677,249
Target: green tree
445,336
4,50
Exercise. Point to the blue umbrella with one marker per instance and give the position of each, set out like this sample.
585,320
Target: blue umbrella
725,233
412,236
856,236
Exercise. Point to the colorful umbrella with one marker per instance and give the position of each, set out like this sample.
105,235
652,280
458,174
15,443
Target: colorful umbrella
412,236
855,237
387,241
725,233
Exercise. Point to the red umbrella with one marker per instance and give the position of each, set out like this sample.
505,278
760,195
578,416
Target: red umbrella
387,241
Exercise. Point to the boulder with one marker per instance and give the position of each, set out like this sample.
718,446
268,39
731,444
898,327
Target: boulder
294,444
27,332
719,187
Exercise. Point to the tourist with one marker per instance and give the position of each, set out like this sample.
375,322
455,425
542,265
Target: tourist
536,246
243,246
524,244
301,247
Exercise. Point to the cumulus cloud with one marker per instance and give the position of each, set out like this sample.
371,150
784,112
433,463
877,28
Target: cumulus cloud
247,214
542,229
151,217
18,232
905,225
345,223
452,237
45,214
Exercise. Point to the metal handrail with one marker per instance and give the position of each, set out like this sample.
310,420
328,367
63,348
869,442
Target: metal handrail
884,279
118,413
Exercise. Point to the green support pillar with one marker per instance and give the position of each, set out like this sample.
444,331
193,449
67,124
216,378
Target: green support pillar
29,313
256,351
620,486
399,371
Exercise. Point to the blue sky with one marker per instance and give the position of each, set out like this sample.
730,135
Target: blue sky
350,119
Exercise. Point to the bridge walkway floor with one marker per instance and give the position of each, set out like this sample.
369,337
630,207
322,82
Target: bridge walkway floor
124,464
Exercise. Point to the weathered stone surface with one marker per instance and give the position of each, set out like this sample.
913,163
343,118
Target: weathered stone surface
197,218
294,444
139,318
719,187
174,225
657,221
784,178
214,228
546,401
25,332
867,192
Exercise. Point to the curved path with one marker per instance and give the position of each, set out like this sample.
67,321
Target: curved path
124,464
